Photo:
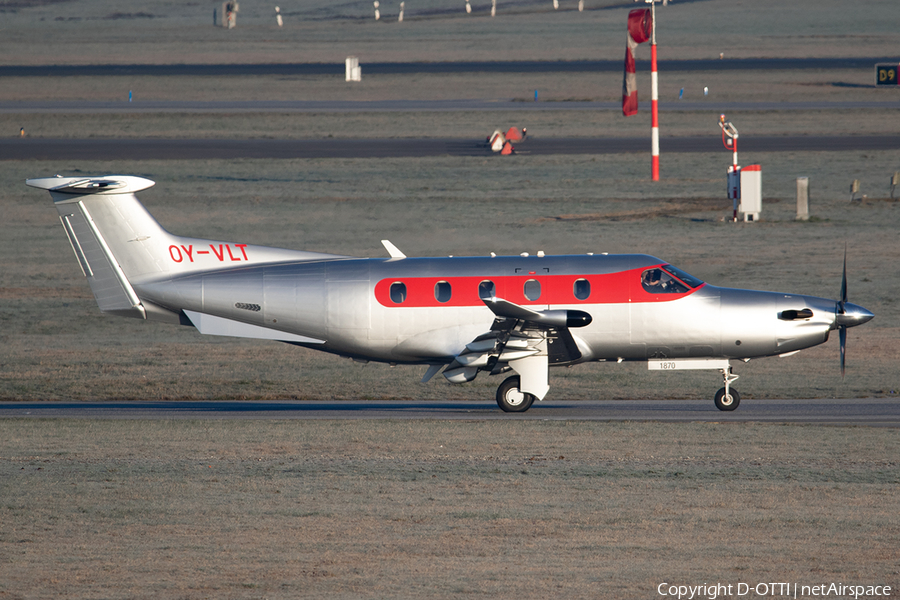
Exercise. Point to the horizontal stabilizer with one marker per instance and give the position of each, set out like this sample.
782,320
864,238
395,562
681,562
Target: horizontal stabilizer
212,325
108,184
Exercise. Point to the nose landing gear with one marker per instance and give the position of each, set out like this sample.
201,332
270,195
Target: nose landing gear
727,398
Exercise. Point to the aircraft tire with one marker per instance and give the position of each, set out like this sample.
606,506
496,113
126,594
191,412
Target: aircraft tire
510,399
729,402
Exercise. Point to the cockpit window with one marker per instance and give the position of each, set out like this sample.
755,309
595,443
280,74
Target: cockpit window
690,280
657,281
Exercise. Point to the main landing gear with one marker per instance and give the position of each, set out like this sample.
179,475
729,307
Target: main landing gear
727,398
510,398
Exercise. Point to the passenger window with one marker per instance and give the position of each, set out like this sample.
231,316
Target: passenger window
486,289
582,289
532,289
398,292
657,281
442,291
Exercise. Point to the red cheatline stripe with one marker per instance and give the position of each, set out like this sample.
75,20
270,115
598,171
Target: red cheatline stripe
612,288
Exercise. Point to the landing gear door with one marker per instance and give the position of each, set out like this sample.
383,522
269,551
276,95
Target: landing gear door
533,371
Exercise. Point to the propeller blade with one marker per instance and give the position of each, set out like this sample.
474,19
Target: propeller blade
843,334
847,315
841,309
844,282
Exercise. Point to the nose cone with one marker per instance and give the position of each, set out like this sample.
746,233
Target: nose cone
852,315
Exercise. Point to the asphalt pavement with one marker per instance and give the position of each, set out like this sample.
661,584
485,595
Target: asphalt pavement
711,105
409,68
187,149
869,412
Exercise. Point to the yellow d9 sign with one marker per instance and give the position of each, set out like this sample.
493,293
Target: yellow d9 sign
886,74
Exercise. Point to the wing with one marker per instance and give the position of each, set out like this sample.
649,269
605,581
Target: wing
521,339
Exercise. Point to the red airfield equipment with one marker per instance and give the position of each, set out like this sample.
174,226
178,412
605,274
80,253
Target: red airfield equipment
639,31
514,135
502,143
744,184
642,27
729,137
729,140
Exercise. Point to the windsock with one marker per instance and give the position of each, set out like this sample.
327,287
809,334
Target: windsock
639,26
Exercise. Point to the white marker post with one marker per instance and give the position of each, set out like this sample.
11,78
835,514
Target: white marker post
352,68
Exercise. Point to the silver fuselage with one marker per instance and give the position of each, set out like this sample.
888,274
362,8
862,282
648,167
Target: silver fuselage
344,304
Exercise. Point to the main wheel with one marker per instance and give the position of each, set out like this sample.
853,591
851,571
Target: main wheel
728,401
510,398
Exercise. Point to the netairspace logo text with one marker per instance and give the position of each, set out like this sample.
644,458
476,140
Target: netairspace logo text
771,590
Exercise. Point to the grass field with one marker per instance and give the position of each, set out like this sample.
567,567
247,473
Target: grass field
355,509
442,125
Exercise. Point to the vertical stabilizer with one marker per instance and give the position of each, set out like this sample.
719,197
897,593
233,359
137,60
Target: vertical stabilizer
109,231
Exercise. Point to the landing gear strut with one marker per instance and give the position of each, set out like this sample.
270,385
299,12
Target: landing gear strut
510,398
727,398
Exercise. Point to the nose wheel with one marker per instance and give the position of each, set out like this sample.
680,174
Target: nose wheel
727,398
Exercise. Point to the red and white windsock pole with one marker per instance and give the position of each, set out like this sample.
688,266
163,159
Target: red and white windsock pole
654,97
642,27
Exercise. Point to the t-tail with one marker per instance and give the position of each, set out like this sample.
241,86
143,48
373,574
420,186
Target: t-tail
119,245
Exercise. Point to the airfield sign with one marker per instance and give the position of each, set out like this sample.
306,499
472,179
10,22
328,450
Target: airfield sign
886,73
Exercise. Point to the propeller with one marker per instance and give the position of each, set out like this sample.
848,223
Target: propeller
841,309
847,315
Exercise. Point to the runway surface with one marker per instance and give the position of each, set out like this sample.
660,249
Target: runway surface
868,412
178,149
409,68
891,102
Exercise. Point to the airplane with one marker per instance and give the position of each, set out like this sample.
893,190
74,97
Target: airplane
462,316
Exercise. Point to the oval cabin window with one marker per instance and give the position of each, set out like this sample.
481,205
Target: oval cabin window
582,289
486,289
398,292
442,291
532,289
